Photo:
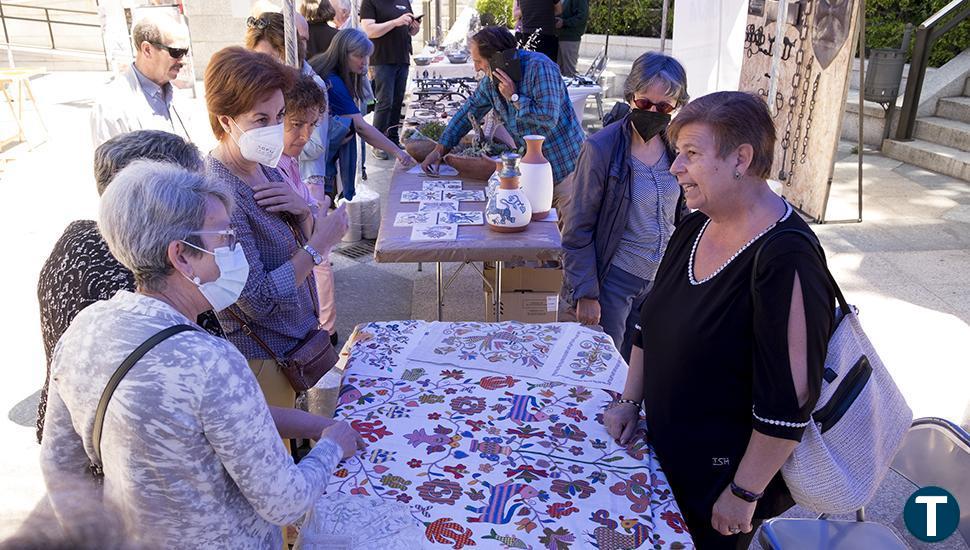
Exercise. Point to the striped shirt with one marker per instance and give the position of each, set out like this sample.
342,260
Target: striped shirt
654,192
278,311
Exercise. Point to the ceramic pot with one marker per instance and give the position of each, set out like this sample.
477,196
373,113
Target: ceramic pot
536,178
508,210
475,168
419,148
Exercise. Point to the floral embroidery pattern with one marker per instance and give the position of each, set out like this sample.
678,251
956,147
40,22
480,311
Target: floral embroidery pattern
487,460
511,343
381,345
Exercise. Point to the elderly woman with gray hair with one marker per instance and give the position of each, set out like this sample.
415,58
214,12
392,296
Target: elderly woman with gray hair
624,203
188,447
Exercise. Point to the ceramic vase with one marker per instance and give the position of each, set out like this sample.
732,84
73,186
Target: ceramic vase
536,178
508,210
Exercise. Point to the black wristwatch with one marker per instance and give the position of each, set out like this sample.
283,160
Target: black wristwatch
745,494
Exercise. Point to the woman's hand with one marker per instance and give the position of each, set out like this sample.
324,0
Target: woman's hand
329,227
278,196
405,159
621,421
588,311
731,515
345,437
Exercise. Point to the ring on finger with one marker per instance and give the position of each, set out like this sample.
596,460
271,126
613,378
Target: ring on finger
734,530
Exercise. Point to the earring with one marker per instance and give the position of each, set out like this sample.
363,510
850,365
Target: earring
737,175
197,280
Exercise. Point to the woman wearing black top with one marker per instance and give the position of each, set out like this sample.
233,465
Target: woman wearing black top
728,378
319,14
81,269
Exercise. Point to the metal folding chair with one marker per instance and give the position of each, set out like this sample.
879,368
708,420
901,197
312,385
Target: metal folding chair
595,73
935,452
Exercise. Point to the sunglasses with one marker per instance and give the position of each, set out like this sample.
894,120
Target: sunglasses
645,104
176,53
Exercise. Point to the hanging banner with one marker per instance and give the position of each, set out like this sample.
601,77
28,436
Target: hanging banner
798,57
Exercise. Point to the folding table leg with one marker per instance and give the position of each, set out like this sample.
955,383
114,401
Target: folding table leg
498,291
439,284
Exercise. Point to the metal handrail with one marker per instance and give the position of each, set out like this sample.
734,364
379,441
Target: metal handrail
926,35
46,19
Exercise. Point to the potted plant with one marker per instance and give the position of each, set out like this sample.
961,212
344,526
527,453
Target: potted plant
476,160
420,141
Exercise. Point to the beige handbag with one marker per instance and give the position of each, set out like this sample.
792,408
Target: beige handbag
858,423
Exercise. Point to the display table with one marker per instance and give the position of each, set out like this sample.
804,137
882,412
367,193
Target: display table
475,243
490,435
21,79
578,95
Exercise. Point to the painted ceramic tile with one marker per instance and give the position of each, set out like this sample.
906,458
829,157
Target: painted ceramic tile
464,195
420,196
461,217
437,232
497,461
438,206
443,170
407,219
440,185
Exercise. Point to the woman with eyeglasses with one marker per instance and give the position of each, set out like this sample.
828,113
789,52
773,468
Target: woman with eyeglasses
281,235
190,454
624,203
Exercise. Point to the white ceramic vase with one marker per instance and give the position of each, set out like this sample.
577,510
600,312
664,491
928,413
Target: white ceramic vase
536,179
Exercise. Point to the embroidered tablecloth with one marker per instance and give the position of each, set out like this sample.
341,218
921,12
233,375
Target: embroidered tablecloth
509,454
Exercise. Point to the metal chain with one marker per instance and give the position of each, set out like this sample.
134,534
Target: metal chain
808,123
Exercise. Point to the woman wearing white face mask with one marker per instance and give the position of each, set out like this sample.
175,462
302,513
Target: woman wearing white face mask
187,445
281,235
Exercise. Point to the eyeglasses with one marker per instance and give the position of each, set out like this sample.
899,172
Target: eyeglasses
645,104
226,238
176,53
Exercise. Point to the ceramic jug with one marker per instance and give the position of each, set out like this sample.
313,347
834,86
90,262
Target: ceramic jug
536,178
508,210
493,180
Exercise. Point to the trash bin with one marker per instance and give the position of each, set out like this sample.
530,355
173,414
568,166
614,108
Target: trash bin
884,72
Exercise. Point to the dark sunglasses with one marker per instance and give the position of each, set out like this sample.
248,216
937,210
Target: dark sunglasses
176,53
662,107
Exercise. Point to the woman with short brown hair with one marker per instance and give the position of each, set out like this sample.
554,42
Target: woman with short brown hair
280,234
728,362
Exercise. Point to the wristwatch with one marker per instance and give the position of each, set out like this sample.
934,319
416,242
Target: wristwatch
317,258
514,98
744,494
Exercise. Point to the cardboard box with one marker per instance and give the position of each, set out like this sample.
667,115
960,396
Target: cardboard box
526,278
527,307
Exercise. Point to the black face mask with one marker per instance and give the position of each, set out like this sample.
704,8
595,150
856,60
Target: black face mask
649,123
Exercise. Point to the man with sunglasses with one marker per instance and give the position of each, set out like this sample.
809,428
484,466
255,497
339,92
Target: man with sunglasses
142,98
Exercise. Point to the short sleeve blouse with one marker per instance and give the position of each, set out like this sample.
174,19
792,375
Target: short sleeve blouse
341,102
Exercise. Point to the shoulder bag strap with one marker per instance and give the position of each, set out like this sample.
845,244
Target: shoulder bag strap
840,298
116,378
252,334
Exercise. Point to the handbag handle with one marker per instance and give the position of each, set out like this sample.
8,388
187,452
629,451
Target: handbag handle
113,382
839,297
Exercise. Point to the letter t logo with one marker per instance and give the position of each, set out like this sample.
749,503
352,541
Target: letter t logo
931,502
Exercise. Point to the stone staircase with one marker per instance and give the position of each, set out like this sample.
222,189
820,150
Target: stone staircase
941,143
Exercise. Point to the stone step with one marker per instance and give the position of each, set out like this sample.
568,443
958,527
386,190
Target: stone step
955,108
931,156
944,131
966,88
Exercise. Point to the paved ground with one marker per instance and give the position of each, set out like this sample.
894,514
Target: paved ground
905,266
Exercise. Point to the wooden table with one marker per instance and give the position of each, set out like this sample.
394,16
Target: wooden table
475,243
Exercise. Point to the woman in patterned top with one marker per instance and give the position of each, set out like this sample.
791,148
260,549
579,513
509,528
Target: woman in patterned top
80,270
190,454
281,236
624,204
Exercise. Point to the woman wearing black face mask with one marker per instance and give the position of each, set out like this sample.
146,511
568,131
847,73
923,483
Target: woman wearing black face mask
624,203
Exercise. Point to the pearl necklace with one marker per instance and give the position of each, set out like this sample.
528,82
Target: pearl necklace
697,240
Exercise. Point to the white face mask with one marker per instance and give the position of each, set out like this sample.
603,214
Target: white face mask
263,145
233,273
